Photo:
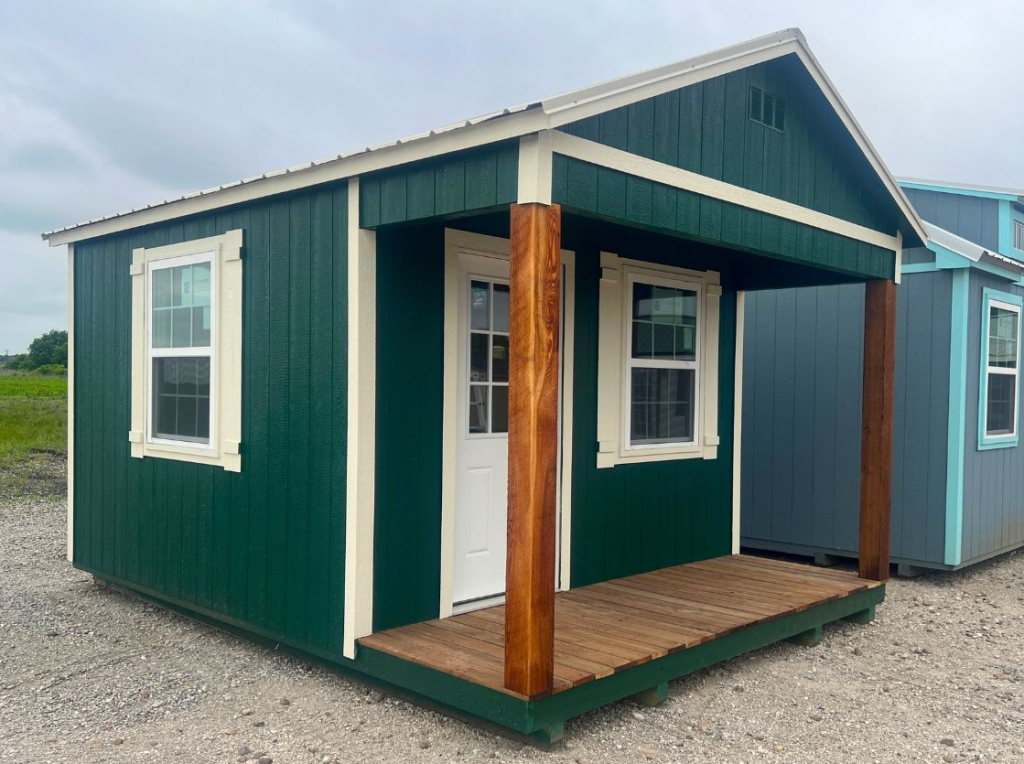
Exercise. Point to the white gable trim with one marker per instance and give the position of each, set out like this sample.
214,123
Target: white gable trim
506,124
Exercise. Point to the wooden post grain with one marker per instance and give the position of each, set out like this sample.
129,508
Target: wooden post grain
532,448
876,428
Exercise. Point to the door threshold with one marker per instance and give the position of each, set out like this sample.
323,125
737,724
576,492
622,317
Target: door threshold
478,604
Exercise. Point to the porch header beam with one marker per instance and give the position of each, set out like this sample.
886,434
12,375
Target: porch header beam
676,177
532,448
876,428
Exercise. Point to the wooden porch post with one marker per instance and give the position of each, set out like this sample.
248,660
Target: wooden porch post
876,428
532,448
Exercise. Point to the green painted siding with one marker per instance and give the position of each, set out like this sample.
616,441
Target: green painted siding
639,517
451,185
610,194
706,128
264,547
410,378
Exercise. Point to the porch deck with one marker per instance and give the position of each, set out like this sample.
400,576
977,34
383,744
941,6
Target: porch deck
613,627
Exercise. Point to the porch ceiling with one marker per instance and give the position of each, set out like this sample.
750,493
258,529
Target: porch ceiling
608,628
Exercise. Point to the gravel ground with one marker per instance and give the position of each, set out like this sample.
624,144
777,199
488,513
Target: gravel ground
89,674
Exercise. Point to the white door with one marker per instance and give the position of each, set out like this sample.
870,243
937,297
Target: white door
481,485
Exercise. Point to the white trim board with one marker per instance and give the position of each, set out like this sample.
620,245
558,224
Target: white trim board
506,124
737,422
658,172
362,413
71,402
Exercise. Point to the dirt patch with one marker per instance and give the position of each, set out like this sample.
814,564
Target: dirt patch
87,673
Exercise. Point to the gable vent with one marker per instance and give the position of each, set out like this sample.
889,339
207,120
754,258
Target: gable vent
767,109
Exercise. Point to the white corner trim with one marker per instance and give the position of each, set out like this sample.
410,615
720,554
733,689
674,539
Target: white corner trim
568,353
737,422
899,256
658,172
535,168
224,253
71,402
362,413
613,307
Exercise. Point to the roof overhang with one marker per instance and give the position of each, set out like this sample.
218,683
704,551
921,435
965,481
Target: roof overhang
508,124
964,189
941,238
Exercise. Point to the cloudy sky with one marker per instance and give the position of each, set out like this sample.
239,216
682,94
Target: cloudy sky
108,105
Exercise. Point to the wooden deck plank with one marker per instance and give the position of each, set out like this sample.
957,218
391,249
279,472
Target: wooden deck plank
612,626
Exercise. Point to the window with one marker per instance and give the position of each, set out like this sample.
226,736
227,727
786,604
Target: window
488,357
662,362
1018,235
1000,370
186,351
657,363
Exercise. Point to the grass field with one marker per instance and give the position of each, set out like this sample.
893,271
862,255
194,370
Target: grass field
33,434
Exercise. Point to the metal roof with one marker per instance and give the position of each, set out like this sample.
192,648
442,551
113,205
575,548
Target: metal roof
973,252
1018,195
504,124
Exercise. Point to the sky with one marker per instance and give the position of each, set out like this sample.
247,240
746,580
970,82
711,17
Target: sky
109,105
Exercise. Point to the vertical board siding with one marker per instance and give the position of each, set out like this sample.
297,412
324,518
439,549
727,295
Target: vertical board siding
263,548
802,365
641,202
971,217
638,517
410,378
993,479
452,185
706,128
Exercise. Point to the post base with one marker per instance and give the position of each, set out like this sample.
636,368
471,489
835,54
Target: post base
808,638
549,735
867,615
652,696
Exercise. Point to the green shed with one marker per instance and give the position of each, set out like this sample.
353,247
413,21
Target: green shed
458,413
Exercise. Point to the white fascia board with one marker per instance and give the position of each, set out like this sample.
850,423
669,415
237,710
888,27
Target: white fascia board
975,253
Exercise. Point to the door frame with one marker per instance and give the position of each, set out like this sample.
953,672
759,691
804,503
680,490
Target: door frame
456,244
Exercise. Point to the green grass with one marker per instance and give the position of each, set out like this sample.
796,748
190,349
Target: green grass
33,434
29,386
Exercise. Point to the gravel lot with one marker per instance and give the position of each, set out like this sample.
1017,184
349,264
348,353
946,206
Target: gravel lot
89,674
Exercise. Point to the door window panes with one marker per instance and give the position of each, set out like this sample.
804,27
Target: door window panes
488,365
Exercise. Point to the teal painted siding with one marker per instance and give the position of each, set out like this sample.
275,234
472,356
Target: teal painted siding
705,128
451,185
587,188
264,548
634,518
410,378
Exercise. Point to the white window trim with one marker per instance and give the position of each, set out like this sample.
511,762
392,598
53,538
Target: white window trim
989,438
224,253
614,333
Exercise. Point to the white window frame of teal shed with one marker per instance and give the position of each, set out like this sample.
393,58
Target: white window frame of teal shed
992,298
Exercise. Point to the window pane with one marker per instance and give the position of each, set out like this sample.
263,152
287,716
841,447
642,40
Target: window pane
664,323
478,408
181,404
162,288
1002,389
662,405
499,417
499,358
176,285
201,284
161,328
201,327
500,307
181,328
478,351
479,305
1002,338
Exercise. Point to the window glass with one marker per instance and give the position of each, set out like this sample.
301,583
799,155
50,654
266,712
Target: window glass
488,357
1002,390
478,408
1002,337
181,399
181,306
501,307
480,305
662,373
